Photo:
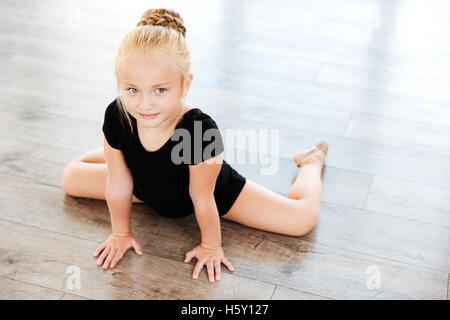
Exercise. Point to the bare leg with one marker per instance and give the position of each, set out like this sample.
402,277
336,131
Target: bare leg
308,183
85,176
260,208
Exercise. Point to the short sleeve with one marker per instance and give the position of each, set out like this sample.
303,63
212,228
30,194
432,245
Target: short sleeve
112,126
206,139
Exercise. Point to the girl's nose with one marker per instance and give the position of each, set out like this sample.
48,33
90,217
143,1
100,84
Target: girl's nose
148,102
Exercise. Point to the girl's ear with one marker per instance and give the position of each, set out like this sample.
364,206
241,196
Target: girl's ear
188,83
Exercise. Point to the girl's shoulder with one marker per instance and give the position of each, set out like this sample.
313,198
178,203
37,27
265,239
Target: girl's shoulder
112,113
112,126
202,126
115,115
197,114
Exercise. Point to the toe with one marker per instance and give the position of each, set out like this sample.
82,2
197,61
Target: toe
323,146
299,155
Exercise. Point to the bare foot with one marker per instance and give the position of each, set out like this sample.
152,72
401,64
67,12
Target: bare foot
315,155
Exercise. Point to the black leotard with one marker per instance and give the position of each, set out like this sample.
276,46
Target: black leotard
160,182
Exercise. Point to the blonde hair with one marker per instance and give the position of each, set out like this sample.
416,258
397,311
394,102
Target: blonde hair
160,30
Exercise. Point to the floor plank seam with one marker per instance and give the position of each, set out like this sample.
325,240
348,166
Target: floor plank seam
367,254
368,193
322,65
409,264
397,146
277,285
398,179
415,122
41,286
343,109
47,184
388,214
77,151
350,117
274,289
306,82
347,87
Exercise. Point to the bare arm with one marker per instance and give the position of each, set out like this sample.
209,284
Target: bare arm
203,177
119,189
208,220
202,182
118,192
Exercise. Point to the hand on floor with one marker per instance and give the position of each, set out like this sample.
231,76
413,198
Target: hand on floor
114,248
211,258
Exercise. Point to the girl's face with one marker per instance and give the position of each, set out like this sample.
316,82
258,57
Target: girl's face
149,84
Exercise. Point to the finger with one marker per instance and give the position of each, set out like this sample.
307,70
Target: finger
228,264
116,259
137,247
217,266
210,267
99,248
103,255
191,254
198,268
111,255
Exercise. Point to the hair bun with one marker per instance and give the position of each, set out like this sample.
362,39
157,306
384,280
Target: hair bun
163,17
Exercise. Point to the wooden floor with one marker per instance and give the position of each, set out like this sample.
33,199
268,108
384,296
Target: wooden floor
370,77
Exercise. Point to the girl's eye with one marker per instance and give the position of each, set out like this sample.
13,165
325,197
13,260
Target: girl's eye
134,92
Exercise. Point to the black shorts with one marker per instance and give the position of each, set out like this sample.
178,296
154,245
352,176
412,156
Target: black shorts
232,183
231,190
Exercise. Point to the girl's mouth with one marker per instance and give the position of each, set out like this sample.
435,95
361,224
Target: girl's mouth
148,116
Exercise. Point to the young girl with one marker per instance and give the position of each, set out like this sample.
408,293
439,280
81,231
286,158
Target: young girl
137,162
